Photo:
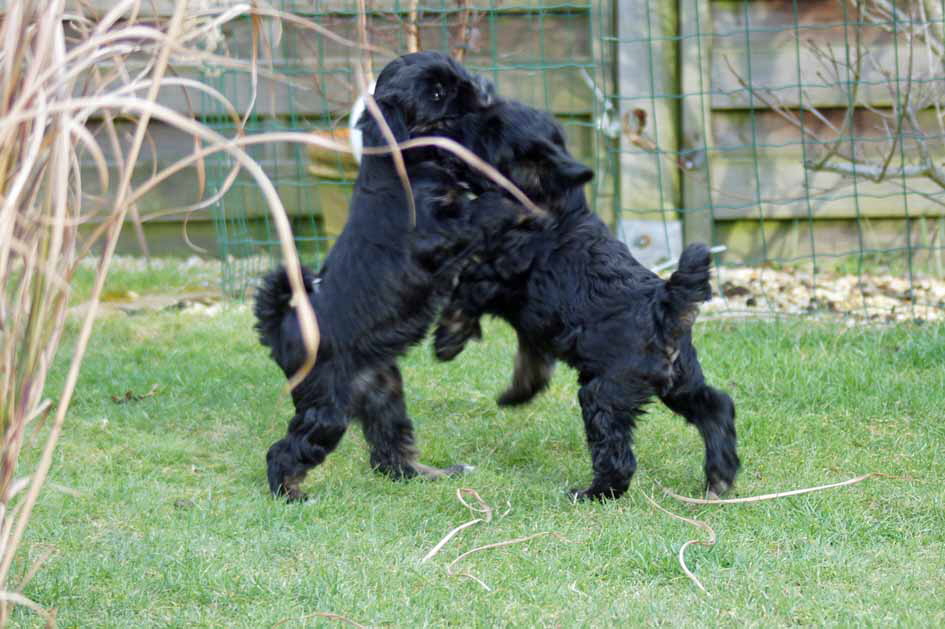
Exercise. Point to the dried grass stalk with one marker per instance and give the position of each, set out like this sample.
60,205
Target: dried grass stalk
46,132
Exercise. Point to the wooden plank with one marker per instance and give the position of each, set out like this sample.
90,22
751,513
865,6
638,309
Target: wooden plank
647,71
696,116
742,137
315,7
303,194
533,58
498,39
602,148
780,192
167,239
740,134
835,242
759,41
292,159
509,46
560,90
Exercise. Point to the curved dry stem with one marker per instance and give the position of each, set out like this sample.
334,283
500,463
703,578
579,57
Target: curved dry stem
482,507
446,538
150,109
457,149
682,550
510,542
774,496
19,599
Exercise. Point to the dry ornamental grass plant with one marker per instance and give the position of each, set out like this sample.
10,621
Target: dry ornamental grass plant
66,74
64,71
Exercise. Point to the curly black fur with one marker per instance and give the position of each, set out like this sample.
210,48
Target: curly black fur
573,292
383,282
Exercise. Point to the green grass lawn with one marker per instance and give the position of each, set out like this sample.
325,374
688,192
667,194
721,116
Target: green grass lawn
174,526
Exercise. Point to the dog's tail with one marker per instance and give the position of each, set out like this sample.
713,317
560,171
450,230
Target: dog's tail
686,289
273,301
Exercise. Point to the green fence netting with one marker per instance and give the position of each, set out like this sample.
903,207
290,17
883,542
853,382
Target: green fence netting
803,139
543,53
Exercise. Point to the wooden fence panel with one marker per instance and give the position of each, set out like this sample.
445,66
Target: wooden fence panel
744,162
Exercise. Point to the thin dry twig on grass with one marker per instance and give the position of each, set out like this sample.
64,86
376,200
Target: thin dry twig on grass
749,499
483,508
774,496
487,514
131,396
328,615
510,542
682,550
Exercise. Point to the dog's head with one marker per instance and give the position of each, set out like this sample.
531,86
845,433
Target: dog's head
527,146
427,92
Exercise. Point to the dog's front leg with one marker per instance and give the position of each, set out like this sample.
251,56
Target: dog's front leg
378,401
312,435
610,414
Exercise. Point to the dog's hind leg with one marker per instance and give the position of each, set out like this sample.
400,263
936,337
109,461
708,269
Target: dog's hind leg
378,401
713,413
312,435
609,417
533,370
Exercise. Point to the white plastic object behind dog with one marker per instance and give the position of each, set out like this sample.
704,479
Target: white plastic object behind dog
357,142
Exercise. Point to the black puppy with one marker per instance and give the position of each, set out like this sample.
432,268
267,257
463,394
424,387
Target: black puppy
383,281
574,292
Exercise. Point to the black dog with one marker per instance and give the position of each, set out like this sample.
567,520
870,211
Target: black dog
383,282
574,292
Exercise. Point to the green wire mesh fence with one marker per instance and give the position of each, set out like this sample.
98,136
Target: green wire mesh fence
803,139
545,53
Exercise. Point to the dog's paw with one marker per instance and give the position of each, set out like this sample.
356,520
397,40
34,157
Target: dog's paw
586,495
447,346
434,473
595,494
459,469
720,475
289,493
716,489
296,496
514,397
286,487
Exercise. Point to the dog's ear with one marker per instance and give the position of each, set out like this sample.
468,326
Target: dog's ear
394,116
567,169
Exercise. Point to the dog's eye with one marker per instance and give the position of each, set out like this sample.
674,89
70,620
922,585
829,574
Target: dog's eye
438,93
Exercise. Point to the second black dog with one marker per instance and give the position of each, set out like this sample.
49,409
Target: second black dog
574,292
